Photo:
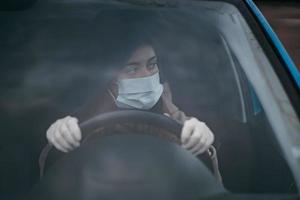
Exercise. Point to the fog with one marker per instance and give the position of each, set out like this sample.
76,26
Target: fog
56,59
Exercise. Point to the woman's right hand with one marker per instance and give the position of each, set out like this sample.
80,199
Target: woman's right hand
64,134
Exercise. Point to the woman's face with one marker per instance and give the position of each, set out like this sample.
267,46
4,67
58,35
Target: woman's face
142,63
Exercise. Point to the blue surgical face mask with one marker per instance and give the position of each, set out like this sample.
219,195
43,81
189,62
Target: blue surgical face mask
140,93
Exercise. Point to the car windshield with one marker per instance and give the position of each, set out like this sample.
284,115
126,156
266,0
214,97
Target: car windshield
59,58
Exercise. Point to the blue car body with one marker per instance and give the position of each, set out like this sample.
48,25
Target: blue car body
286,59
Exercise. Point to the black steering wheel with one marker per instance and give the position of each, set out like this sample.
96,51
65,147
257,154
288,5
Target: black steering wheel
172,128
128,166
132,117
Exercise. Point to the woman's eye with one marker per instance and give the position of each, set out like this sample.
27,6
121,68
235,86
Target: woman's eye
131,69
152,66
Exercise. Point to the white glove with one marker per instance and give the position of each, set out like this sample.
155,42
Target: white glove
64,134
196,136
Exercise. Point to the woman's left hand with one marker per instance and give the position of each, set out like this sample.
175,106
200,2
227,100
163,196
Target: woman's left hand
196,137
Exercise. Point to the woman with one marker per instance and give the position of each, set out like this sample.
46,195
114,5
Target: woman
136,86
136,82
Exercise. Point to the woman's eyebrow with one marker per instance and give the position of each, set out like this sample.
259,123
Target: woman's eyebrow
152,58
137,63
133,63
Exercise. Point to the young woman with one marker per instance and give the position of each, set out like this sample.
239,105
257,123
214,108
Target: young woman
135,81
136,86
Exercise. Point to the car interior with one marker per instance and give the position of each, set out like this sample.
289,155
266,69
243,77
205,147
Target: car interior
50,57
